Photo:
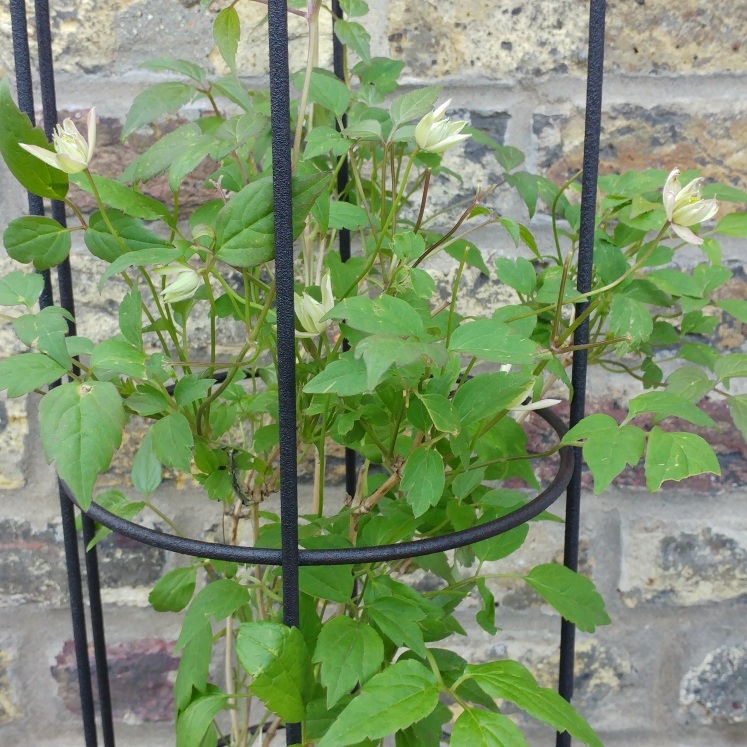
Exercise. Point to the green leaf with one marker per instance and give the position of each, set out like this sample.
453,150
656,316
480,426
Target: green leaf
423,479
191,388
327,91
194,722
520,275
226,34
21,374
380,352
475,728
630,317
397,619
502,545
675,456
675,282
178,66
245,227
344,377
456,250
608,448
174,590
33,174
334,582
173,441
141,258
511,681
117,196
355,37
571,594
279,662
738,410
402,694
730,367
487,394
161,98
495,342
218,600
81,425
321,140
157,159
119,356
346,215
131,318
46,331
665,404
486,616
733,224
102,244
350,652
21,288
194,665
690,382
737,308
353,8
408,246
146,469
42,241
382,315
115,502
413,105
442,412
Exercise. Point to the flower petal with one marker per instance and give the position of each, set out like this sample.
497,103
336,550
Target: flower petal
91,132
42,154
687,235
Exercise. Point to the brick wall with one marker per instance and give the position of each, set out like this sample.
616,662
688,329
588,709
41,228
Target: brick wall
672,669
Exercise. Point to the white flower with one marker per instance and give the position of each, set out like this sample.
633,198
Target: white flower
685,207
184,286
310,312
434,134
72,152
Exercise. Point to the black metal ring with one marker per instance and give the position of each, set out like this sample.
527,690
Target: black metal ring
344,556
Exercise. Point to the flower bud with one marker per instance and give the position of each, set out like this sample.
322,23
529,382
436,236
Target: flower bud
310,312
185,284
72,153
434,134
685,207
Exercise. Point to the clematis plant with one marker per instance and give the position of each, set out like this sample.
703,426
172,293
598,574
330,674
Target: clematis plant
429,391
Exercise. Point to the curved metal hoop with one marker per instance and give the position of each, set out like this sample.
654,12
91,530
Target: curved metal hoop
344,556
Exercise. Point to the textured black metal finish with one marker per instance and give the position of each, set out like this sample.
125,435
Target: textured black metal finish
277,19
380,553
98,633
338,55
77,609
25,88
595,73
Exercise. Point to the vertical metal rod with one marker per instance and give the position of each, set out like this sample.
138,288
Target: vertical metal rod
277,17
25,88
65,284
338,56
77,610
595,71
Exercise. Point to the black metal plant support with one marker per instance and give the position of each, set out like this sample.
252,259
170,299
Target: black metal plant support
289,556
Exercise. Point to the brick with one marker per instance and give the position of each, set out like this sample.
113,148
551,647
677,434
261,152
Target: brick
10,707
14,428
715,691
508,39
32,566
141,675
641,137
682,563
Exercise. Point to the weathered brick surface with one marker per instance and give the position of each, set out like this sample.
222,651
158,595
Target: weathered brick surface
642,136
10,707
715,691
141,673
684,563
13,431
